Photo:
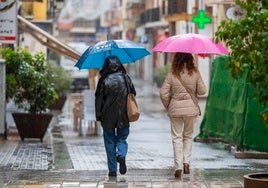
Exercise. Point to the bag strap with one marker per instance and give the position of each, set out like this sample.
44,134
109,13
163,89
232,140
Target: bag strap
193,96
125,78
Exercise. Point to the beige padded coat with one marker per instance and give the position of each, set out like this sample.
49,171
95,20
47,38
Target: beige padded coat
176,99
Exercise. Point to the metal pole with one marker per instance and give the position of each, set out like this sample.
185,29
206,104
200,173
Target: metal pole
3,128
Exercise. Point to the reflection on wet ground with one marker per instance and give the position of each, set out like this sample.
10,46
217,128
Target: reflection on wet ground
72,160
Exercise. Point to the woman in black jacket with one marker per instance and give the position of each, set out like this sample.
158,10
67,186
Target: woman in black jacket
111,111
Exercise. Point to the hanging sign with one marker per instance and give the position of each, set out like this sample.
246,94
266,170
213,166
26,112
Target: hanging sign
8,21
201,19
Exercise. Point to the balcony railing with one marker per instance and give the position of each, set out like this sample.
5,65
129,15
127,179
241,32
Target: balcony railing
150,15
177,7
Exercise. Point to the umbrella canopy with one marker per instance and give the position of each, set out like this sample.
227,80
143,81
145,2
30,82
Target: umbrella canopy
190,43
127,52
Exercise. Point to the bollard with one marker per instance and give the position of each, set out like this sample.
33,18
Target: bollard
94,128
3,125
77,119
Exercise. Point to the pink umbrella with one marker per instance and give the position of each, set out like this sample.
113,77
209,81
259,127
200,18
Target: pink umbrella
191,43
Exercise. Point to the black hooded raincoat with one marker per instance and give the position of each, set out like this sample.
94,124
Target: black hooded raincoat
111,96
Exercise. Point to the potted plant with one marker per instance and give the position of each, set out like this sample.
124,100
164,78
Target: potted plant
62,81
253,180
28,85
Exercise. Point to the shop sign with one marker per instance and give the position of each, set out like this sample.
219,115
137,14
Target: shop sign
201,19
8,21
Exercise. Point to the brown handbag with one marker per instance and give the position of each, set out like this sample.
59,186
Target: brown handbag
133,112
193,96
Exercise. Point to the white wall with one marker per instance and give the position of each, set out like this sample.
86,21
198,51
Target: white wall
31,44
68,63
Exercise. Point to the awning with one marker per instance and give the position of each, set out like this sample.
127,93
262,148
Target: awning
47,39
178,17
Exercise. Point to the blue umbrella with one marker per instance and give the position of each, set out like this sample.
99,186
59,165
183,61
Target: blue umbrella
127,52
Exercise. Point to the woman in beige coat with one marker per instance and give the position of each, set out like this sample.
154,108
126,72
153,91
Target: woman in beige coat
181,108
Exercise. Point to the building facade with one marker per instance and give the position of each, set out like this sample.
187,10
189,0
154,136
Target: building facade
144,22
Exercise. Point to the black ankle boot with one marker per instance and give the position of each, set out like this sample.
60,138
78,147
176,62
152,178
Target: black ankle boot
122,164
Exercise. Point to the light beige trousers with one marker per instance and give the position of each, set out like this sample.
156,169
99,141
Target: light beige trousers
182,129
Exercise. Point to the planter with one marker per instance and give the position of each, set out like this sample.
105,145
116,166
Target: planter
32,125
256,180
58,104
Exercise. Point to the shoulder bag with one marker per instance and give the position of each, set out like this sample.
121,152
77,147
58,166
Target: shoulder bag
133,112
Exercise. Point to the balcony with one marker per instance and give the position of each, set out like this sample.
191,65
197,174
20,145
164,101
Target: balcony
150,15
177,7
135,3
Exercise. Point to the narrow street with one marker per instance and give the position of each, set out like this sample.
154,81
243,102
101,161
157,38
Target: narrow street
65,156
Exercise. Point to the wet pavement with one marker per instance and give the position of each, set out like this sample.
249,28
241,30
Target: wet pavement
67,159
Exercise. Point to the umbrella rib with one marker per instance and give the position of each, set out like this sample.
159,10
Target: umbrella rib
128,55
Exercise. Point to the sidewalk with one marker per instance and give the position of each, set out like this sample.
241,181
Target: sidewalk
67,159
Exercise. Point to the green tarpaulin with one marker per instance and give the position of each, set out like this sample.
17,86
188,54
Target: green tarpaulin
231,111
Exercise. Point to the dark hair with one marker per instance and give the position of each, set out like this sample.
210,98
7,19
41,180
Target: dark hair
182,60
112,61
112,64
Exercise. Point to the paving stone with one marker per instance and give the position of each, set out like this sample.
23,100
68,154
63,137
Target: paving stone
161,184
124,184
52,185
215,184
143,184
14,186
179,184
26,155
233,183
88,184
6,151
70,184
108,185
34,186
196,184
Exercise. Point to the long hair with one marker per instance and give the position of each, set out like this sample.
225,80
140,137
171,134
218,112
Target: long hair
182,60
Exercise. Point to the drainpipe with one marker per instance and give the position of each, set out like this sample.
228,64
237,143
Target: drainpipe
3,127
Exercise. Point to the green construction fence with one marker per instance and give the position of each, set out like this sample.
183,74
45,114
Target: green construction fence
231,113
